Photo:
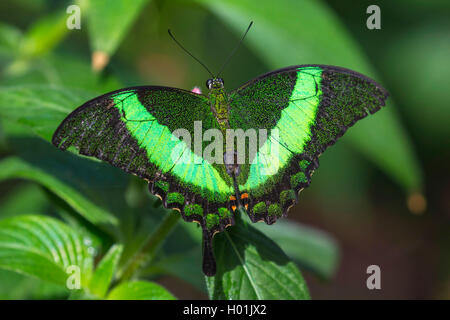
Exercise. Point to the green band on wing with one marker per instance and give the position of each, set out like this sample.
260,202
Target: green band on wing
294,129
167,151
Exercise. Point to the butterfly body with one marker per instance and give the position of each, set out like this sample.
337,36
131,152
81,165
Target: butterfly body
273,129
219,102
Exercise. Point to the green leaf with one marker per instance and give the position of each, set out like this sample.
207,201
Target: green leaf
14,167
45,248
64,70
45,34
139,290
39,107
307,32
27,198
99,186
184,265
109,21
10,38
16,286
41,38
343,190
104,272
181,256
312,249
252,266
431,90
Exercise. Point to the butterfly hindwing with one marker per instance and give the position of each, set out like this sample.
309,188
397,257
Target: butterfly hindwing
305,109
134,129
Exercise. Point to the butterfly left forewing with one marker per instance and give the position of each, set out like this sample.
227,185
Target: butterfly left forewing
304,110
134,129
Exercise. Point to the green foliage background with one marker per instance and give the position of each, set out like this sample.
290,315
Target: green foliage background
59,209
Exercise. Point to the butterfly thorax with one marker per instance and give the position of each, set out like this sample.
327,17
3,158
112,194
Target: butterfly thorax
219,106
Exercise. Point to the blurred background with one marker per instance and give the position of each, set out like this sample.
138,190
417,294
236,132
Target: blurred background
380,196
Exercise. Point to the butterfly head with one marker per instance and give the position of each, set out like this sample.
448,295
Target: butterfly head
215,83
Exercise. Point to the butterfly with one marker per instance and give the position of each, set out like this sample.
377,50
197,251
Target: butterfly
302,109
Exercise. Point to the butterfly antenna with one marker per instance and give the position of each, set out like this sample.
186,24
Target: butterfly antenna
235,49
185,50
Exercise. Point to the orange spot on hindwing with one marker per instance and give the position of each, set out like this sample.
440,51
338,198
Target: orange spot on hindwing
233,203
244,200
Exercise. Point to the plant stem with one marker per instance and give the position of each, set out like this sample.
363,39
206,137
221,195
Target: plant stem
151,246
